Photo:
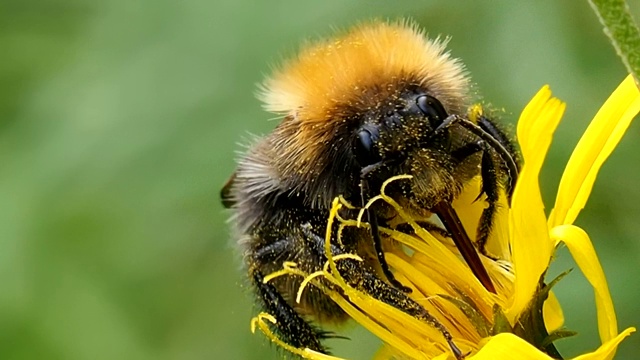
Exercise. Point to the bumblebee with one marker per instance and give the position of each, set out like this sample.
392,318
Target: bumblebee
378,101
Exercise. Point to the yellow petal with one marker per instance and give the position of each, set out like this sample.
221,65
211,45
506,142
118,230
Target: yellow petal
608,349
595,146
441,357
578,243
531,247
526,121
509,346
552,313
375,328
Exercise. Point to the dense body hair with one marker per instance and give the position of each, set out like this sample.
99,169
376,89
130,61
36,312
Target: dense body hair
377,101
332,73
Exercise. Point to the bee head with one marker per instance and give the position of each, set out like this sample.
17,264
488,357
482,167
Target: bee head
389,135
374,94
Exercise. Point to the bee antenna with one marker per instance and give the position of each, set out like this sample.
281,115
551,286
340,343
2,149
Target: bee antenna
512,167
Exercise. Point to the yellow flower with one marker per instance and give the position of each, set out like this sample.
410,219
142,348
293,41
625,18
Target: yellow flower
522,319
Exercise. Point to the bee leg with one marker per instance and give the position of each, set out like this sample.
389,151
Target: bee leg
490,186
358,276
377,244
290,326
490,174
490,127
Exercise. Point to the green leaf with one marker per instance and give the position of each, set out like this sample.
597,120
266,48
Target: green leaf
621,30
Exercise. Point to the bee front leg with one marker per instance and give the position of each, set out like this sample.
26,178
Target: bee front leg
490,173
377,243
490,186
512,165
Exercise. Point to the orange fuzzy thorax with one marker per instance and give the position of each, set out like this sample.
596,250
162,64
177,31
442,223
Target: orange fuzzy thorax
330,73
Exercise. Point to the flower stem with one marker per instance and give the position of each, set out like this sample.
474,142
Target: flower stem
621,30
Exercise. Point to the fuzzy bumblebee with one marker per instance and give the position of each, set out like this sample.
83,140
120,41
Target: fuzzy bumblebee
378,101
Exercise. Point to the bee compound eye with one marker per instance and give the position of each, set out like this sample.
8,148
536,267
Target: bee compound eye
432,109
364,147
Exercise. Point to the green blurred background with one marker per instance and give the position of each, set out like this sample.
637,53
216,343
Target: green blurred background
120,121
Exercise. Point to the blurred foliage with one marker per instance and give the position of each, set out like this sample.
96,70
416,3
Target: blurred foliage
119,122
